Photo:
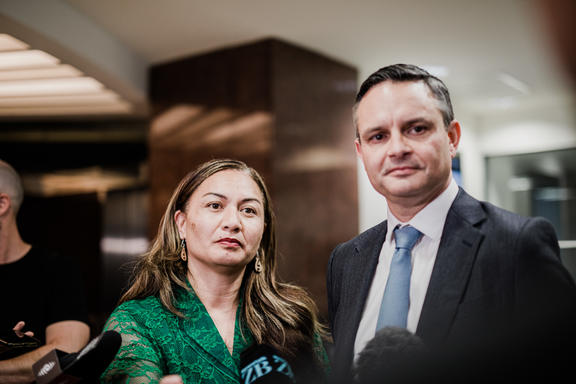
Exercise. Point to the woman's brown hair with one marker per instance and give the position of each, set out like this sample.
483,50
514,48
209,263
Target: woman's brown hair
280,314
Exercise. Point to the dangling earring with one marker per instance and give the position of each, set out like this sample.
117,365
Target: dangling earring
183,255
257,265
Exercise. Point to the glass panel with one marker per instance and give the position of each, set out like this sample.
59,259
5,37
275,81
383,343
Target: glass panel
539,184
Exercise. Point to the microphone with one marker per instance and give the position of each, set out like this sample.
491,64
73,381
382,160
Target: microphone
392,354
261,364
86,366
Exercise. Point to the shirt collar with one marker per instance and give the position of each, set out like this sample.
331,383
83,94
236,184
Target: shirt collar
430,220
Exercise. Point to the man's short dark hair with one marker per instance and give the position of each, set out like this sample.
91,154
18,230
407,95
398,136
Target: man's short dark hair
408,72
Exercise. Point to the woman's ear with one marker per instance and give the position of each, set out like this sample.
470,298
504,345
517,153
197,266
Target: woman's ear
180,220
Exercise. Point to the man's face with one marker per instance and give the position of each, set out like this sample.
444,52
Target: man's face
406,150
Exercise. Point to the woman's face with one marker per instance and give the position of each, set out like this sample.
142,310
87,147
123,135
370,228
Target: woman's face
223,222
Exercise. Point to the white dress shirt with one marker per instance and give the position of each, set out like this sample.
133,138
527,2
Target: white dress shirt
430,222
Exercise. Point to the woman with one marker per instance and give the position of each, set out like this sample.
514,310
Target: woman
207,289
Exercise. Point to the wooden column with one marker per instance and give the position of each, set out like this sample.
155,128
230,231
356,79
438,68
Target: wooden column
285,111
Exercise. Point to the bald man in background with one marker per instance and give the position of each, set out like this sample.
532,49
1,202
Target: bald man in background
37,287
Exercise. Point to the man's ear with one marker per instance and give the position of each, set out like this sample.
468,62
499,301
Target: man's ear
454,134
5,203
358,146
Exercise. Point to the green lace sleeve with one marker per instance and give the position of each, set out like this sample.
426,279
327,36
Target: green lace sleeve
138,361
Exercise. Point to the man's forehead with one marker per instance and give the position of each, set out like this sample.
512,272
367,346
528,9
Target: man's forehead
401,99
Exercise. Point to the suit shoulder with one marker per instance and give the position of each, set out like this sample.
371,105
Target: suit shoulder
512,220
478,211
367,237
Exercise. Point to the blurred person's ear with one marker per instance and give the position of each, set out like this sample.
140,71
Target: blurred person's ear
5,203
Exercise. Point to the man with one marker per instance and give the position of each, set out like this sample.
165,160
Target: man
35,287
474,272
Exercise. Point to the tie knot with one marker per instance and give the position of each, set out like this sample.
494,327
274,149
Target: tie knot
406,237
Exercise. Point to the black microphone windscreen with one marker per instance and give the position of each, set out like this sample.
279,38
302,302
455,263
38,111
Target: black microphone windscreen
96,356
262,363
391,352
85,366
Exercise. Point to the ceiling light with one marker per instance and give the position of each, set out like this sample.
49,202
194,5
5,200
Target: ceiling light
514,83
8,43
36,83
62,70
116,108
26,59
103,97
66,86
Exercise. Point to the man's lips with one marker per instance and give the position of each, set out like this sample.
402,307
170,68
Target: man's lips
402,170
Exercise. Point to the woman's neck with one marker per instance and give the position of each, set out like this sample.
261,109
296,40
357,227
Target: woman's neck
219,292
216,290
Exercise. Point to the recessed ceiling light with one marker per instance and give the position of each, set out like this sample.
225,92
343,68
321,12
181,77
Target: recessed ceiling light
62,70
37,87
35,83
116,108
9,43
100,98
26,59
514,83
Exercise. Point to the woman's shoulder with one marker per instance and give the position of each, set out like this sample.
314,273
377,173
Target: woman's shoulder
138,312
150,304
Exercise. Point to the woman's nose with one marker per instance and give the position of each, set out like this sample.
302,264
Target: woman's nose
231,219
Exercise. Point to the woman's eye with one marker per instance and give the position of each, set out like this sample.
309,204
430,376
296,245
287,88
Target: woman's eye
249,211
214,205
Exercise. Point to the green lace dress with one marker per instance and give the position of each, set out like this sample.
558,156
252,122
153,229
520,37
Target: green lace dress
155,343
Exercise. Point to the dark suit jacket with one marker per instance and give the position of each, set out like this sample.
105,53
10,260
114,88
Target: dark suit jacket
491,266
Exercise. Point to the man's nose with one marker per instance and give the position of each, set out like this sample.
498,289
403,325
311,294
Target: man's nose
398,145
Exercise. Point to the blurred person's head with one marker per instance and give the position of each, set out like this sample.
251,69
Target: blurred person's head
11,186
406,135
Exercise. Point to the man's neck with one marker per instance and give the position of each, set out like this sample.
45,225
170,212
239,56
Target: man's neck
404,209
12,247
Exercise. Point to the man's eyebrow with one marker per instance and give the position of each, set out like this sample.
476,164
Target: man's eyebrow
373,129
417,120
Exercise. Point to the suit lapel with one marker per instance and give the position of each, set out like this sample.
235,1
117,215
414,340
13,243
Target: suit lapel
451,272
358,274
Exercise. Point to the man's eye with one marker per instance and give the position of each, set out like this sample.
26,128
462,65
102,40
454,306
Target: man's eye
419,128
377,137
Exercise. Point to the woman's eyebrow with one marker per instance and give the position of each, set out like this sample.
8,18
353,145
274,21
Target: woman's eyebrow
248,199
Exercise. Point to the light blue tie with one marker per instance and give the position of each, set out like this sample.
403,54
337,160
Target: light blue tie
396,299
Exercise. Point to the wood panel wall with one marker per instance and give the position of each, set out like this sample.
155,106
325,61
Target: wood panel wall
284,110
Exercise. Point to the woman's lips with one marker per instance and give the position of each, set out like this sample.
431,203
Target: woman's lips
229,242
